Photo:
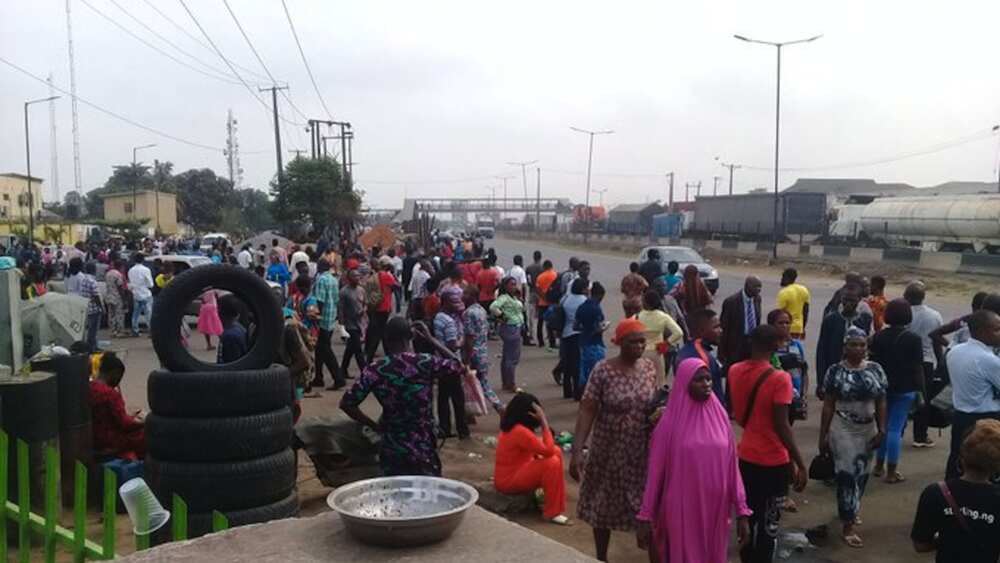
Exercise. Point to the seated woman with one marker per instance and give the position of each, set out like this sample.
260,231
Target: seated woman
525,462
116,432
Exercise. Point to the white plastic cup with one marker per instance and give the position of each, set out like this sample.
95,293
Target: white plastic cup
137,496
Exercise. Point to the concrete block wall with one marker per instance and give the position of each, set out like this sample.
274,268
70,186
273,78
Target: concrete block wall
937,261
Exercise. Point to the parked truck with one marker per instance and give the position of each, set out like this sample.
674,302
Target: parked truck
485,227
751,216
963,222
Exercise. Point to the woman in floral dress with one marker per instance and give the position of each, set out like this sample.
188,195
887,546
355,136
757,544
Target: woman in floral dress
613,415
853,425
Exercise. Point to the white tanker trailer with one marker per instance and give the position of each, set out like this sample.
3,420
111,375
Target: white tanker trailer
934,222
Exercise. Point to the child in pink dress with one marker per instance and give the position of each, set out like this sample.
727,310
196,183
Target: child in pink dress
209,322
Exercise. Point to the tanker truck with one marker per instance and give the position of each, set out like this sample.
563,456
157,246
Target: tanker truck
934,223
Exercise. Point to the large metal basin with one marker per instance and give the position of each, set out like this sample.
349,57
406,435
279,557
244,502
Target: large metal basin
402,511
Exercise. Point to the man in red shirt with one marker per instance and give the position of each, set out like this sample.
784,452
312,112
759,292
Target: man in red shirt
488,280
377,321
116,432
760,396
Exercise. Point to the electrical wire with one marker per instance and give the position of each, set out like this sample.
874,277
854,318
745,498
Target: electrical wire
154,47
169,42
947,145
427,182
194,38
605,174
230,64
261,61
113,114
305,62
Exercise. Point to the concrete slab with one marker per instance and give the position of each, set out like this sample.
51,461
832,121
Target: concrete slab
482,537
940,261
866,255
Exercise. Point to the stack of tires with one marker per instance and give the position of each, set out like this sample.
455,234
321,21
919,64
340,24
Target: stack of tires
219,435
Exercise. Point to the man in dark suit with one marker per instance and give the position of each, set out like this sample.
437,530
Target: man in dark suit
740,315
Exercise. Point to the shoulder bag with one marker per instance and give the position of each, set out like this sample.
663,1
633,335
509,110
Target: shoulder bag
753,396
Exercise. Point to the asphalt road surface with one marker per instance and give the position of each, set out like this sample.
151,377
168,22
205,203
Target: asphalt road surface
887,510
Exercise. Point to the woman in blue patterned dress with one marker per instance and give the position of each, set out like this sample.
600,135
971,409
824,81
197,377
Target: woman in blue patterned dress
402,382
853,425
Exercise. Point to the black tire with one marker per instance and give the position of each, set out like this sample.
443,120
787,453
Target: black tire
219,439
223,486
217,394
254,292
200,524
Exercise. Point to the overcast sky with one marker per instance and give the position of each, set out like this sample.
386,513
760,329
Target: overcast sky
442,94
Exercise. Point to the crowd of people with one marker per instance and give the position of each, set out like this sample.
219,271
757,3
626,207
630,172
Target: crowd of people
654,447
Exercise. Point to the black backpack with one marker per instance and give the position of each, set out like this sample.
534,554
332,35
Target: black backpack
555,291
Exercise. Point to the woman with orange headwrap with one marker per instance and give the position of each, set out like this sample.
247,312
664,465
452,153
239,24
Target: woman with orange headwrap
613,415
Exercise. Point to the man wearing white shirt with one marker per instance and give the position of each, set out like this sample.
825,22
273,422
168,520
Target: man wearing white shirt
975,380
245,257
925,320
521,279
140,282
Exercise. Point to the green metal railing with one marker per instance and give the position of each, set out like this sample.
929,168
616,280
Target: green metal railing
74,540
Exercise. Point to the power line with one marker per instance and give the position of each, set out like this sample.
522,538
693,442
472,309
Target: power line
111,113
194,38
606,174
230,64
154,47
971,138
305,62
169,42
261,60
425,182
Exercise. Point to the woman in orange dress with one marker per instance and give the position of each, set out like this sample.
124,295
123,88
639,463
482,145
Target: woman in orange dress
525,462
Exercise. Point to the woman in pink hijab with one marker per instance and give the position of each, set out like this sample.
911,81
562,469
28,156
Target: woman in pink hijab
693,485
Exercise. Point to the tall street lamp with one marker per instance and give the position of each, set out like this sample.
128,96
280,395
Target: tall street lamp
590,162
600,194
136,179
27,158
524,173
777,119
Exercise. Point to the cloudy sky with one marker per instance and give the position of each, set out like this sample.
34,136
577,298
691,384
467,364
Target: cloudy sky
443,94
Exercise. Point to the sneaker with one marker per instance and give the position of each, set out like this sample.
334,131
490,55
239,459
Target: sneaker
923,444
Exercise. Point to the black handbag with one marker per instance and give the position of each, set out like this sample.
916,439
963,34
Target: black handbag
821,468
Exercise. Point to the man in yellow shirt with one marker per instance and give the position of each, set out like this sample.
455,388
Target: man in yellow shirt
794,299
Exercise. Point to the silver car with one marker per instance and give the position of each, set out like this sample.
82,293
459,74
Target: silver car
685,257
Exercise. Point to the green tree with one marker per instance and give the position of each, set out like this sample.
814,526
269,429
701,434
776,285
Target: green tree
314,194
201,198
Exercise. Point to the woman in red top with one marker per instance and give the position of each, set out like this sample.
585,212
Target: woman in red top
525,462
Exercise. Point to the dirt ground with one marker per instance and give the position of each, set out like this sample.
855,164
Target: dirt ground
887,510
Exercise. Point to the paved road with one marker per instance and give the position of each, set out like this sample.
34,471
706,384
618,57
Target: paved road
887,512
608,268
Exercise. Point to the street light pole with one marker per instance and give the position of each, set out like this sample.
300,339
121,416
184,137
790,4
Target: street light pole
504,180
777,121
590,162
136,179
524,173
995,129
27,158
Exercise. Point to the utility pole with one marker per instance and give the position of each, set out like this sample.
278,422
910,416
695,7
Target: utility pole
504,180
590,161
27,158
600,194
777,120
538,199
731,167
670,192
53,144
135,180
524,174
995,129
296,152
156,191
687,189
715,185
277,130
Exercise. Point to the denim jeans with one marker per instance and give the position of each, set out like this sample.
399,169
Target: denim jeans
899,407
141,308
93,323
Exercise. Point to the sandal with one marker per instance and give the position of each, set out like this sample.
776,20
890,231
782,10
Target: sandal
854,541
789,505
896,477
561,520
